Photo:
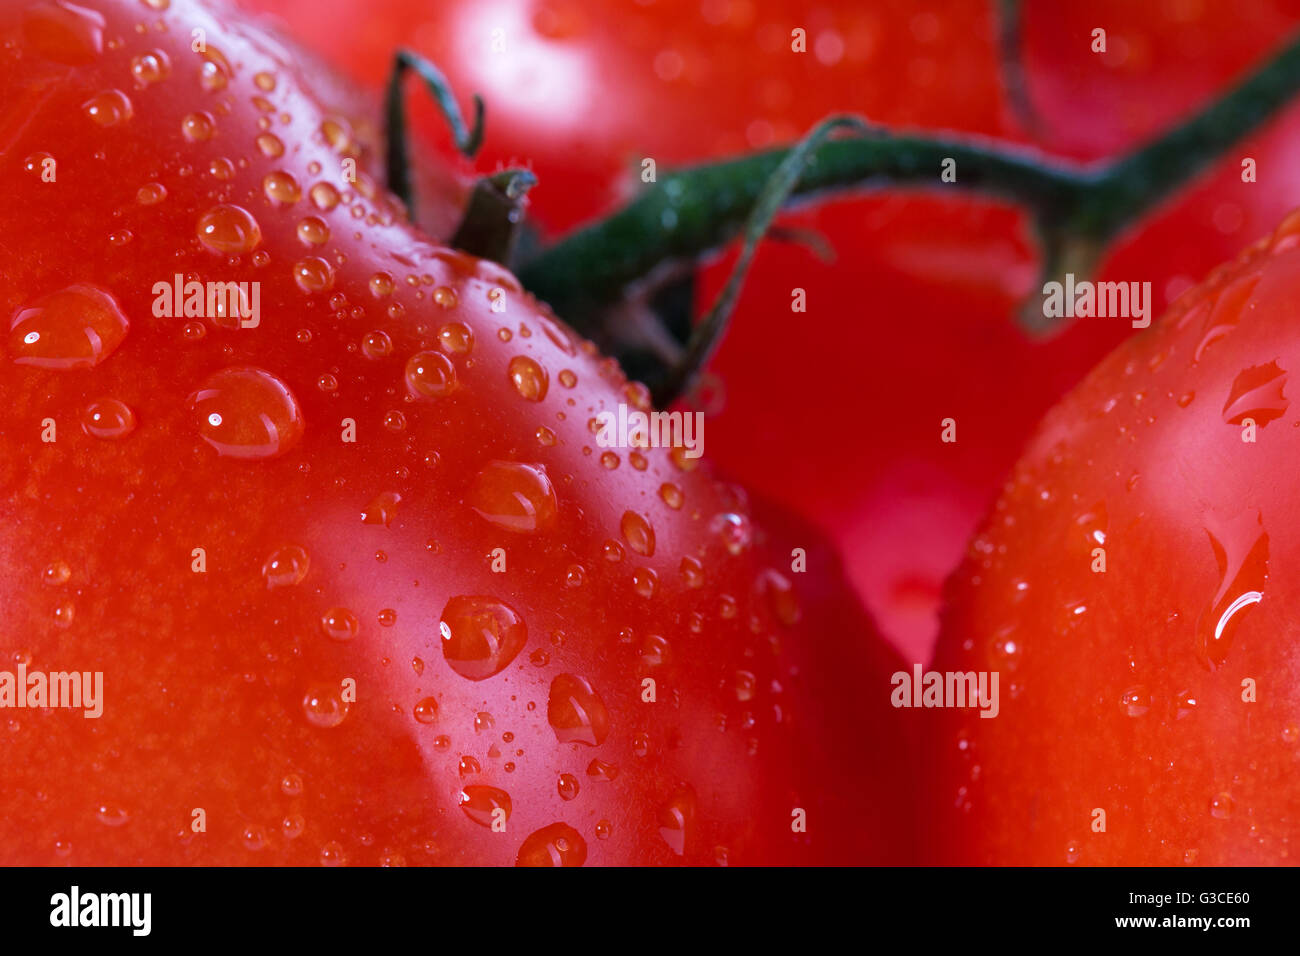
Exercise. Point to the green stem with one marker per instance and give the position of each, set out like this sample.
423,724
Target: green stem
1077,208
491,224
468,140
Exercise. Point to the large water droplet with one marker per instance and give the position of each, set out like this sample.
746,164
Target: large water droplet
575,711
339,624
229,230
677,820
638,533
734,530
480,803
1257,393
529,378
430,375
556,845
480,635
108,419
1241,551
109,108
76,327
324,706
514,496
247,413
286,566
382,508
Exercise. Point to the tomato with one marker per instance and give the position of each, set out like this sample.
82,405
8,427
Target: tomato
582,95
1134,587
360,583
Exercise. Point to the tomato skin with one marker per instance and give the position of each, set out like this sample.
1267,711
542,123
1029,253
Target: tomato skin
227,556
1158,687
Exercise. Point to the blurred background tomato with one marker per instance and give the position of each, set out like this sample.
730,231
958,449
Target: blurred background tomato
837,412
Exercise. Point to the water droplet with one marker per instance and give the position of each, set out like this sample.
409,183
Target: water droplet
529,378
395,421
445,298
671,495
469,766
644,582
339,624
567,784
112,815
337,133
151,67
1226,313
480,635
325,197
198,127
733,529
150,194
1256,393
221,168
600,770
556,845
108,419
779,593
1135,701
382,508
213,76
430,375
745,684
313,274
110,108
63,615
677,820
480,803
229,230
324,706
692,572
457,338
376,344
291,785
76,327
609,460
56,574
1221,806
247,413
1241,551
576,712
426,711
270,146
281,188
514,496
638,533
331,854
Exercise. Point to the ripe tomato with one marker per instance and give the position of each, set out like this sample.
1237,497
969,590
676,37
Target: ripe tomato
1134,587
360,581
582,94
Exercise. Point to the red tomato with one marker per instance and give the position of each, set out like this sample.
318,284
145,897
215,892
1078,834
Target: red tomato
912,322
1134,588
361,584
